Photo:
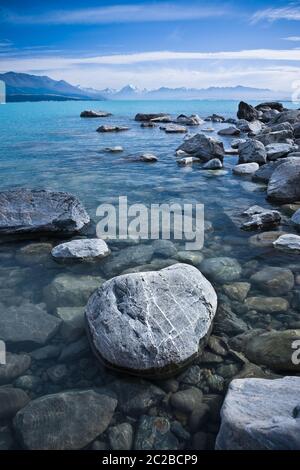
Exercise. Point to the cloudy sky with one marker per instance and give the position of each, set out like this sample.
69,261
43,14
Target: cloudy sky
154,43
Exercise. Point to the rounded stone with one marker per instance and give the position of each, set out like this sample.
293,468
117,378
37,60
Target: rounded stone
151,323
221,269
274,281
89,250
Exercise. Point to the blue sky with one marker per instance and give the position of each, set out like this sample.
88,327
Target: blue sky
154,43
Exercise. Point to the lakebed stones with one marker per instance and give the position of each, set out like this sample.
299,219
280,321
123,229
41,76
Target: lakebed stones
221,269
28,326
11,401
94,114
271,305
252,151
261,414
16,365
68,290
203,147
274,281
64,421
28,211
151,323
288,243
154,433
121,436
260,218
246,169
87,250
237,290
284,184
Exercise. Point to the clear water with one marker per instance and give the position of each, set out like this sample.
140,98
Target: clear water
47,145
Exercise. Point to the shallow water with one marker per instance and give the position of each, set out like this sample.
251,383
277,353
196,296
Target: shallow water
47,145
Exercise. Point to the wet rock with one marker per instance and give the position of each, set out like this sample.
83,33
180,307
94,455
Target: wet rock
274,281
11,401
288,243
215,118
284,185
63,421
260,218
291,115
264,239
143,117
75,350
192,376
227,322
296,219
94,114
188,161
237,290
248,112
58,373
214,164
203,147
264,173
153,433
121,436
236,142
267,304
229,131
145,308
68,290
16,365
36,211
148,125
187,400
193,120
73,322
148,158
164,248
253,127
275,151
28,326
46,352
106,128
273,349
270,105
128,257
88,250
198,417
283,137
190,257
136,396
174,129
252,151
258,415
245,169
34,253
30,383
116,149
179,431
221,269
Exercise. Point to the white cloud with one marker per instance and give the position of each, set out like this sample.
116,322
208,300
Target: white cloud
292,38
291,12
130,13
58,62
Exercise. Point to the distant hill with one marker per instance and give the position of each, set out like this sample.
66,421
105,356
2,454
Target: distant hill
130,92
25,87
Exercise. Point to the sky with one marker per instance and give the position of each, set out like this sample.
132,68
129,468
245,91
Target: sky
151,44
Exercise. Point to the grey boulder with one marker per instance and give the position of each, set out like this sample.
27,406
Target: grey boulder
245,169
35,211
296,219
81,250
252,151
64,421
284,182
260,218
229,131
248,112
94,114
203,147
151,323
260,414
275,151
288,243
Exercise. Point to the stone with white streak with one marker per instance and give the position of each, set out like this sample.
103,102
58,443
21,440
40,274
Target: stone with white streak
151,323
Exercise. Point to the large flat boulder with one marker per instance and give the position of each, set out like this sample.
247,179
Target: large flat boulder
203,147
39,211
151,323
260,414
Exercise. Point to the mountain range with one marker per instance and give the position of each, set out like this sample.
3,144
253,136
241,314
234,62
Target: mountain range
25,87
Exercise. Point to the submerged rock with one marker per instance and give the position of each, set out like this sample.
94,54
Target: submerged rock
107,128
237,290
64,421
245,169
267,304
193,120
94,114
260,218
214,164
147,158
28,326
261,414
121,436
203,147
153,433
16,365
11,401
116,149
88,250
222,269
274,281
36,211
159,319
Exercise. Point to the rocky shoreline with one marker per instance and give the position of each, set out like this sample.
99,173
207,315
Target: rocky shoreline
207,336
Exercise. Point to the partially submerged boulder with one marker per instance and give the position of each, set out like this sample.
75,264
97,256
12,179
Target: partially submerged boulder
203,147
151,323
28,211
88,250
94,114
284,184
